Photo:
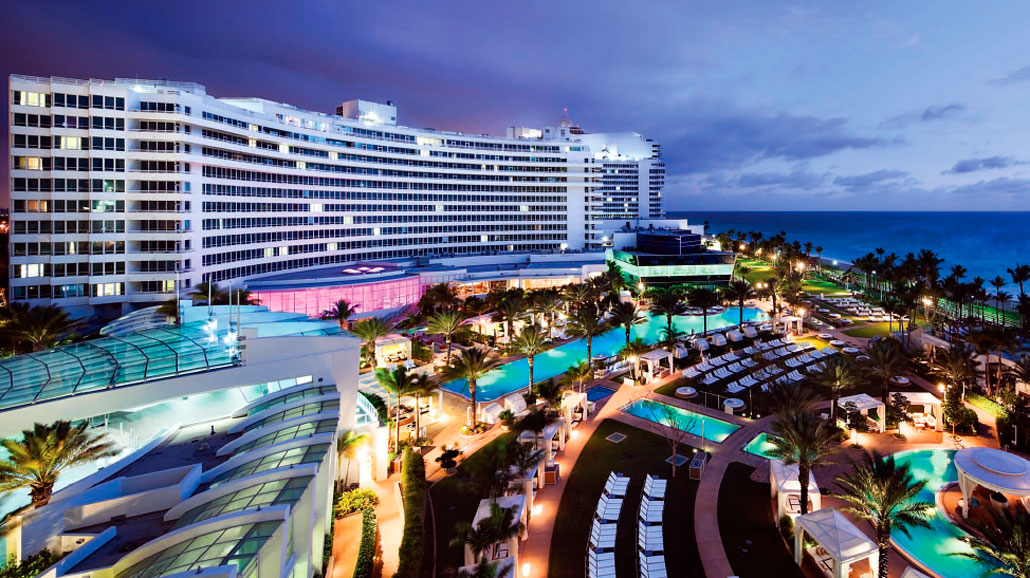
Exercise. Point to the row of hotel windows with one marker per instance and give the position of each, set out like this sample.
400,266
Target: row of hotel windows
463,240
244,207
67,227
69,206
68,164
262,192
33,270
275,237
67,100
256,222
68,185
63,121
61,248
75,143
323,260
77,290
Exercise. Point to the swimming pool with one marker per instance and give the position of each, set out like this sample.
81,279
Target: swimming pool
714,428
512,376
934,546
598,392
760,446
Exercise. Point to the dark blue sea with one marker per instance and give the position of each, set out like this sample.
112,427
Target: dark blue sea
985,243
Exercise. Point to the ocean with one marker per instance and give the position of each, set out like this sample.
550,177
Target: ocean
985,243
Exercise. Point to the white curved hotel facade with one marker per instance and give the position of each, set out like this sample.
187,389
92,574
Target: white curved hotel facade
124,191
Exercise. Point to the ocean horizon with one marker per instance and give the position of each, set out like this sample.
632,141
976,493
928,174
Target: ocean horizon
986,243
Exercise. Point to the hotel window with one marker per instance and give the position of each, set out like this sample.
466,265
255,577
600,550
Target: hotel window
31,98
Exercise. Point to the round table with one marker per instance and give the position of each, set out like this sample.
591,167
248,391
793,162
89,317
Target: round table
686,392
851,350
837,343
732,404
899,380
825,336
862,358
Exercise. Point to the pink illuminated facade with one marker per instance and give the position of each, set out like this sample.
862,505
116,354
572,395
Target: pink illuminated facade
366,297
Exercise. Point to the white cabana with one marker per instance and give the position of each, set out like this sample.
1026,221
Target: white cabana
786,489
911,572
551,440
839,543
681,352
491,413
789,323
996,470
574,403
866,402
700,344
718,340
734,335
515,402
625,297
932,415
653,361
750,331
392,349
509,549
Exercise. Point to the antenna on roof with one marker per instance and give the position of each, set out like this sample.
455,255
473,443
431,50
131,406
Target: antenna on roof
564,122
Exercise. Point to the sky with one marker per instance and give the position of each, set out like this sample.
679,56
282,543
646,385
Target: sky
758,105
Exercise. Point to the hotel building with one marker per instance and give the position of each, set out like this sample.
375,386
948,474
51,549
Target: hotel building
127,192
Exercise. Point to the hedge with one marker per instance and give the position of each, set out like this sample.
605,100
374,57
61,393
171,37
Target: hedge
977,400
413,486
29,567
365,567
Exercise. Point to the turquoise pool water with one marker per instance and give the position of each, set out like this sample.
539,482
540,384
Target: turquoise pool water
760,446
513,376
934,546
715,429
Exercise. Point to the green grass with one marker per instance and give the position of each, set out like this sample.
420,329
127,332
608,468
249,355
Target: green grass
817,287
453,502
874,329
749,534
640,453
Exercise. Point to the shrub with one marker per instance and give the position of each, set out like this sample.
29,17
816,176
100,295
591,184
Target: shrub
413,486
29,567
368,550
787,530
448,457
377,402
356,501
507,418
988,405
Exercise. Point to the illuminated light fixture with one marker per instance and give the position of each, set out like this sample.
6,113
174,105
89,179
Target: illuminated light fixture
537,509
525,570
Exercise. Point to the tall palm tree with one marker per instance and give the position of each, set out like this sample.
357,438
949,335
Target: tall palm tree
472,365
170,309
957,365
886,360
627,315
579,294
347,444
803,439
368,330
884,493
421,386
208,294
1020,274
38,327
500,526
585,322
632,352
739,291
397,383
668,303
38,458
578,374
839,375
705,299
509,310
1002,549
529,342
438,296
340,312
547,304
536,421
446,323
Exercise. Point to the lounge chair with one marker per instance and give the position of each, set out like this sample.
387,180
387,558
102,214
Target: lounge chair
651,511
616,485
654,487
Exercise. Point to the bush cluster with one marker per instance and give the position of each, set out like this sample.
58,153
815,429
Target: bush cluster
356,501
368,550
413,488
29,567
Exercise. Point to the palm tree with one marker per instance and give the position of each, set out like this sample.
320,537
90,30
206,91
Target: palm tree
627,315
472,365
446,323
1003,549
548,304
347,444
803,439
37,460
885,361
421,386
739,291
550,390
509,310
501,526
340,312
368,330
486,569
170,309
530,342
669,303
536,421
839,375
705,299
578,374
632,352
397,383
208,294
585,322
579,294
1020,274
38,327
884,493
436,297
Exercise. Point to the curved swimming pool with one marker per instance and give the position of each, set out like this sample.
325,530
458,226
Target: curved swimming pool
513,376
935,546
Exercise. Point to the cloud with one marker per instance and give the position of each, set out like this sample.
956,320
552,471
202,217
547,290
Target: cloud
1018,75
929,114
796,179
993,188
982,164
859,183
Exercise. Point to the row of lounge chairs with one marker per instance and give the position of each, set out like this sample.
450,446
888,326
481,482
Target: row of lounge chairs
650,529
603,530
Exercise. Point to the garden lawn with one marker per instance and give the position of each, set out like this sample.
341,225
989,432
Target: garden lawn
873,329
453,501
640,453
817,287
749,534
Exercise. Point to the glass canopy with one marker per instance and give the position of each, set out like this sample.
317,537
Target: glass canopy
287,491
